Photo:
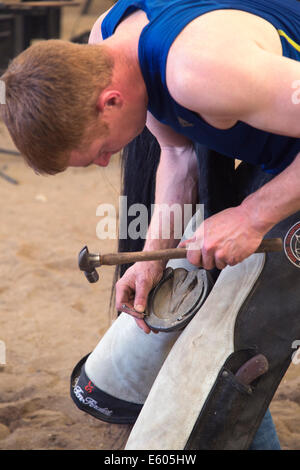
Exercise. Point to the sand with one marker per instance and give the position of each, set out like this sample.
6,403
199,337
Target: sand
50,316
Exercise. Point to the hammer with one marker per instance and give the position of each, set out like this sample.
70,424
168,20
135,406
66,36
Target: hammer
88,262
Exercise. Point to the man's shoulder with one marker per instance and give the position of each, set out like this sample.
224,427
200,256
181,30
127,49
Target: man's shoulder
201,81
189,72
96,34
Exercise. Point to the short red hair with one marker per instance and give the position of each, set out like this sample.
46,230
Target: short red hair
51,94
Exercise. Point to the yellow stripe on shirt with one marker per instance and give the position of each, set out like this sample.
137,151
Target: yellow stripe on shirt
290,40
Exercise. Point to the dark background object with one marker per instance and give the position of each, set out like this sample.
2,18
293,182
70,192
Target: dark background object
7,43
20,24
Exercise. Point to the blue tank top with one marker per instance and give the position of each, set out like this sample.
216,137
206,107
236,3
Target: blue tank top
167,18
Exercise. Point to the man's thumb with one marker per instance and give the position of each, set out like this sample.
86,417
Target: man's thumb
142,290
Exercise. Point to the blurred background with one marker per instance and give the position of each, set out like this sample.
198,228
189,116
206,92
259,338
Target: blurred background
50,316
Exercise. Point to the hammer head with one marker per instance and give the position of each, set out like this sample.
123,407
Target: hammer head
87,262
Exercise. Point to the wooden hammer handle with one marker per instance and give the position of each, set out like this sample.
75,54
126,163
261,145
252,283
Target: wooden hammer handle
267,245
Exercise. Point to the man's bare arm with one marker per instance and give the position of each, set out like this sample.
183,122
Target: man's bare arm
232,235
176,182
250,84
275,200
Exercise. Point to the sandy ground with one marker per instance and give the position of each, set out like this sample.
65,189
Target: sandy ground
50,316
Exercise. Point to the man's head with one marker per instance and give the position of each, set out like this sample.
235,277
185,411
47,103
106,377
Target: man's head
52,97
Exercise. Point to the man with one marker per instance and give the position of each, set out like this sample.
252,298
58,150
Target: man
249,86
224,74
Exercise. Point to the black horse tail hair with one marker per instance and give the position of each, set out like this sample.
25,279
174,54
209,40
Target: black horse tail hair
139,162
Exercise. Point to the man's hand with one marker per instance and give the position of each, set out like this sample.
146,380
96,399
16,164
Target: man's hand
226,238
134,286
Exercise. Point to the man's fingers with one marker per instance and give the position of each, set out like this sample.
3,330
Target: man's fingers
133,300
124,299
133,288
141,324
204,255
220,261
123,293
186,243
131,311
195,257
142,289
194,251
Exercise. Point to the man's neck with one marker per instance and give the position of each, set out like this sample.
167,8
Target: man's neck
127,72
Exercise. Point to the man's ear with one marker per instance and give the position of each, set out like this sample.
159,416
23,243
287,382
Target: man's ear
108,99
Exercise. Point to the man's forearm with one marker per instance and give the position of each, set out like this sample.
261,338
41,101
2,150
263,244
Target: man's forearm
176,185
275,200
